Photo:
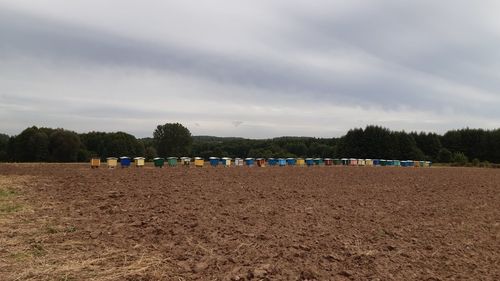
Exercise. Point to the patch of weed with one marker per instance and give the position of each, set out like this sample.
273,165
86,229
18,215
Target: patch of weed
6,208
19,256
51,229
70,229
67,278
7,193
37,249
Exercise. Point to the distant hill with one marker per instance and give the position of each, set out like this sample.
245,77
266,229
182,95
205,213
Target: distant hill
213,139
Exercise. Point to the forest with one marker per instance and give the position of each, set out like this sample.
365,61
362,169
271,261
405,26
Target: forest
463,146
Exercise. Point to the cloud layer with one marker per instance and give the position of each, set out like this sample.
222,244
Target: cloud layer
249,68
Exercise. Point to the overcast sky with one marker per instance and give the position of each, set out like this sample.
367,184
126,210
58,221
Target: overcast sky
250,68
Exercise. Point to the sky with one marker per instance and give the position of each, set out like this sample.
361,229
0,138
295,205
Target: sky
249,68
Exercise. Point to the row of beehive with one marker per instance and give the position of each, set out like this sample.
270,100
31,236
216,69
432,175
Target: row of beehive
159,162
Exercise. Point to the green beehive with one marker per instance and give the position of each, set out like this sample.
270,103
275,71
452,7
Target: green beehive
172,161
159,162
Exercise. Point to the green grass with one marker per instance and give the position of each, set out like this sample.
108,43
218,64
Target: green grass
70,229
6,204
19,256
37,249
51,229
7,193
7,208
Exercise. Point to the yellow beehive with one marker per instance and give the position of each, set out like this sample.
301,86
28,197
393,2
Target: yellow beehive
199,162
112,162
139,161
95,162
301,162
369,162
416,163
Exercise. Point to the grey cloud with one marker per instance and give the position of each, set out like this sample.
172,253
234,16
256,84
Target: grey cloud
417,57
447,39
29,35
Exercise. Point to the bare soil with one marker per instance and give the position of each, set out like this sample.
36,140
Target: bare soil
70,222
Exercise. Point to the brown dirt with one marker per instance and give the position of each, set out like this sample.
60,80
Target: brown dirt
71,222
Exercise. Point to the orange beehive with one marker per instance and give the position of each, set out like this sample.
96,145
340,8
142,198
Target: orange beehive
95,162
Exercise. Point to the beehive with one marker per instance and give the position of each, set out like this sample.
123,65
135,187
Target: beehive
159,162
318,161
112,162
226,161
199,162
301,162
272,161
249,161
95,162
368,162
172,161
125,161
139,162
261,162
353,162
328,162
214,161
185,161
291,161
238,162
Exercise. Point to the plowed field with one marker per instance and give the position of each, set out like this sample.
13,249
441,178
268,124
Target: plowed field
70,222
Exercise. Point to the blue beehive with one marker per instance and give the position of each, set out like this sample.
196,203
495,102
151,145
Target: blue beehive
291,161
214,161
376,162
125,161
411,163
309,162
249,162
271,161
282,162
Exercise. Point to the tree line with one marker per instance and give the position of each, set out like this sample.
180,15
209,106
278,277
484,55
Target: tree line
173,139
